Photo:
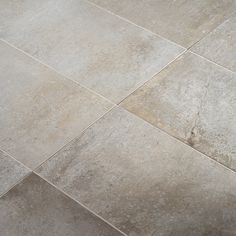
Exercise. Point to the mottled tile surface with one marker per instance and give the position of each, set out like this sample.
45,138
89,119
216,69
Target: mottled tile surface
220,45
91,46
182,21
40,111
195,101
11,172
35,208
144,181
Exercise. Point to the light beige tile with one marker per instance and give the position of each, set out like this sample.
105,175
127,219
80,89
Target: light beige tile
11,172
144,181
91,46
220,45
35,208
193,100
182,21
40,111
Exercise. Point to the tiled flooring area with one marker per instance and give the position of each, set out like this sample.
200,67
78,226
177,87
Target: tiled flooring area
118,117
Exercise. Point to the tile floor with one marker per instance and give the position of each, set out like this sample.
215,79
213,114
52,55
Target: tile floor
118,118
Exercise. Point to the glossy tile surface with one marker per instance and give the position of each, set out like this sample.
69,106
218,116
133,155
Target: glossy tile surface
220,45
182,21
11,172
91,46
35,208
193,100
40,111
144,181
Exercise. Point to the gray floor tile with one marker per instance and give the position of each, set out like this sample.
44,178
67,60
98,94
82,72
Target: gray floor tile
220,45
144,181
91,46
40,111
195,101
11,172
35,208
184,22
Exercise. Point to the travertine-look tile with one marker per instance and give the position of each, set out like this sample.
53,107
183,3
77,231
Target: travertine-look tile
35,208
144,181
10,172
40,111
220,45
195,101
182,21
92,46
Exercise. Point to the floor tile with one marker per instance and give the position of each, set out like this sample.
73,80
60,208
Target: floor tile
35,208
144,181
91,46
193,100
40,111
11,172
220,45
184,22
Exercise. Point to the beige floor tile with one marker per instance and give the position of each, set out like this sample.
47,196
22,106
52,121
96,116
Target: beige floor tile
40,111
91,46
182,21
220,45
193,100
144,181
35,208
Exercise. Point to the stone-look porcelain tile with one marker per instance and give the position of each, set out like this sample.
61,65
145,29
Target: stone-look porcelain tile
11,172
35,208
220,45
144,181
195,101
91,46
40,111
182,21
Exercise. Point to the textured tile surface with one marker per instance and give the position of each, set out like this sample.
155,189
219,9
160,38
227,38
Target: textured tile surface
10,172
193,100
40,111
144,181
91,46
182,21
35,208
220,45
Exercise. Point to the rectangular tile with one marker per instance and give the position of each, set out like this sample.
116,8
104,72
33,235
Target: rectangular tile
40,111
144,181
91,46
184,22
11,172
35,208
220,45
193,100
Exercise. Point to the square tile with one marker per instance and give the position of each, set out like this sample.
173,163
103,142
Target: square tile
144,181
91,46
182,21
11,172
195,101
35,208
40,111
220,45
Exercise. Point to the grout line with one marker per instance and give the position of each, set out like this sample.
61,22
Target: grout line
151,77
15,159
204,58
16,183
53,69
74,138
132,23
204,36
77,201
180,141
